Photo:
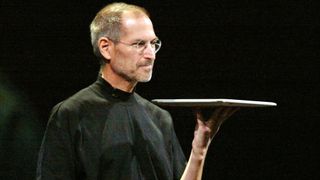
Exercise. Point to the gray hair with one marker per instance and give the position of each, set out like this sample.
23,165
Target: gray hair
107,23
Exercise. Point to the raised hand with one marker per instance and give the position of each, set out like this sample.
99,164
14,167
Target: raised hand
206,129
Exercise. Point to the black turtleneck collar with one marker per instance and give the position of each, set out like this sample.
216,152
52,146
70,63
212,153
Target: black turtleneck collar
110,91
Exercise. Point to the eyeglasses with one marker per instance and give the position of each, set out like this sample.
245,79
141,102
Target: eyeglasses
141,45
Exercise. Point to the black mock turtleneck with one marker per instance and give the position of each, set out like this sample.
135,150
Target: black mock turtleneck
105,133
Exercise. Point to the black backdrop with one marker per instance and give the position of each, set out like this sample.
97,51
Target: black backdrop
264,50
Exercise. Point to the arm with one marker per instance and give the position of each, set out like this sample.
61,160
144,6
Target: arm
203,135
56,157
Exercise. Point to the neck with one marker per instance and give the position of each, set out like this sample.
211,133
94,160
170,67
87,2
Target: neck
117,81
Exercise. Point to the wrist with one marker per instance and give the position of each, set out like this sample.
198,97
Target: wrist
199,152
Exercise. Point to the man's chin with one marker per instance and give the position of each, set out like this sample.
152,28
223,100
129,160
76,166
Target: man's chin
145,79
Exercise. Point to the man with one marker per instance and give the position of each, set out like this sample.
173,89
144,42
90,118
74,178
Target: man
107,131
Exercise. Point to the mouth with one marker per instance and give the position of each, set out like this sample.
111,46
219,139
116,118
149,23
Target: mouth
147,67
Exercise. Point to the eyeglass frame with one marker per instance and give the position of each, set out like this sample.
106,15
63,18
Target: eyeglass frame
143,46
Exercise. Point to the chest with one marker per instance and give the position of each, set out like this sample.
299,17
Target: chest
122,131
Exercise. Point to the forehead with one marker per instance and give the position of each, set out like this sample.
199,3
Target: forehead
136,25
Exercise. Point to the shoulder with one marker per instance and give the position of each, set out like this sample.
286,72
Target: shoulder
149,105
75,106
81,100
154,110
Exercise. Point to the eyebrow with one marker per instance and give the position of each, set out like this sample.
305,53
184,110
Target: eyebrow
138,40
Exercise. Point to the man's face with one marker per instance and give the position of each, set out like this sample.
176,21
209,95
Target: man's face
127,61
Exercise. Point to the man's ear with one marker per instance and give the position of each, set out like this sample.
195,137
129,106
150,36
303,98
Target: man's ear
104,47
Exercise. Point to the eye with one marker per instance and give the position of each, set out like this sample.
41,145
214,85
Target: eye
139,44
156,41
153,43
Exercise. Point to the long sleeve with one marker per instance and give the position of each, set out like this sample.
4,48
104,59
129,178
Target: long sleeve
56,157
179,161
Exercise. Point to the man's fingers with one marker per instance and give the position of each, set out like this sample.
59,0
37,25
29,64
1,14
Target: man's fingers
197,112
233,110
221,114
218,116
224,112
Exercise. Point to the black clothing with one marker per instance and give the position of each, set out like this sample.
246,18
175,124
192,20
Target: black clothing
105,133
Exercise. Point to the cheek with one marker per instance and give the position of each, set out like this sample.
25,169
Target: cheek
127,63
127,60
131,61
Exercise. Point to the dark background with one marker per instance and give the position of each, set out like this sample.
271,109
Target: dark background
264,50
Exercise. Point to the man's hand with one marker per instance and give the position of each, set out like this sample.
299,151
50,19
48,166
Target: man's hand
206,129
204,132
